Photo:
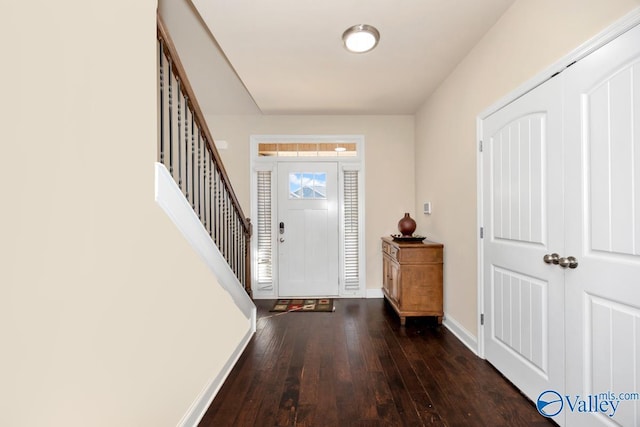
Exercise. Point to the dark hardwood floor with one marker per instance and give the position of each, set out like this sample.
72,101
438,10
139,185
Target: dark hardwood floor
358,367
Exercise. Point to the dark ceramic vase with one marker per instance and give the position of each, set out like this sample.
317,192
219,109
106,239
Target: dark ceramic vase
406,226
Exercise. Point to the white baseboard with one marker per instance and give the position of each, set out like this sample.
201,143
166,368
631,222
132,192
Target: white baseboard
202,403
264,294
375,293
461,333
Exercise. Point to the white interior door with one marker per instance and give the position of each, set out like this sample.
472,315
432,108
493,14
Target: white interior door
603,231
308,246
522,215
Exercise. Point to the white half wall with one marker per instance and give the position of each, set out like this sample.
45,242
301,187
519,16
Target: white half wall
169,196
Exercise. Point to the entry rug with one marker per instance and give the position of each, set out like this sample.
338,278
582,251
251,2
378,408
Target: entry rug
308,305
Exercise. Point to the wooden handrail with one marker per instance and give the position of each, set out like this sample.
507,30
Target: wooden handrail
172,54
206,183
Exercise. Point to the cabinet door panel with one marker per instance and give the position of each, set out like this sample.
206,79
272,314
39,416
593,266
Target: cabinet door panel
395,281
419,292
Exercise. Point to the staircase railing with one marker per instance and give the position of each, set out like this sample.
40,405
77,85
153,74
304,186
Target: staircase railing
187,149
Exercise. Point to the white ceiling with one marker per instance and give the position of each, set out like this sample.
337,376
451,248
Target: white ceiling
289,55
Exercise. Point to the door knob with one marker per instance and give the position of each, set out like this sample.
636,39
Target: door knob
551,258
569,261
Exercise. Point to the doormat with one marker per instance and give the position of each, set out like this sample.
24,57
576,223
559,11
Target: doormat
308,305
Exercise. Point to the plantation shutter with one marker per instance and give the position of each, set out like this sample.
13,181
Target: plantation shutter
265,264
351,231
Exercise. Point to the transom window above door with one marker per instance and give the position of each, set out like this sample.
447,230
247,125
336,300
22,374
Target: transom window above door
307,149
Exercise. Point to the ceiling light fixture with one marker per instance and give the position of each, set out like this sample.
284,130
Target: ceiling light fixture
360,38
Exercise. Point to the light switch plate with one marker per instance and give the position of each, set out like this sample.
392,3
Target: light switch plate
427,208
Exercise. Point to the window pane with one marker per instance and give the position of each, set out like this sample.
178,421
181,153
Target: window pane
295,185
351,231
307,149
265,261
308,185
320,185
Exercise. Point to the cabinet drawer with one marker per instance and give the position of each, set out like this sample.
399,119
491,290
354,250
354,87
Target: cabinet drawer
420,255
413,253
390,250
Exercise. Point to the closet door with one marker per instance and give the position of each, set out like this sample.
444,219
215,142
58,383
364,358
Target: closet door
522,215
602,212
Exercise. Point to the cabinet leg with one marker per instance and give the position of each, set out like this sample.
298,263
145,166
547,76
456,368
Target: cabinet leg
439,320
403,320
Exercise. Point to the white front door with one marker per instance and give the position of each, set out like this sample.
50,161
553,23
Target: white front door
603,233
308,251
522,211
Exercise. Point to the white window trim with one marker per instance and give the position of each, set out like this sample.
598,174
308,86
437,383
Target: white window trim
270,163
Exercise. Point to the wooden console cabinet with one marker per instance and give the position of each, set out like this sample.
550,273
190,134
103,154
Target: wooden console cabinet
412,278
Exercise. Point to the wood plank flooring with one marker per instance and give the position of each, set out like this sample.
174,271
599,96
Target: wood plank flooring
358,367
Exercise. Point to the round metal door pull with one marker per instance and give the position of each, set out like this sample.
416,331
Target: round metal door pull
551,258
570,262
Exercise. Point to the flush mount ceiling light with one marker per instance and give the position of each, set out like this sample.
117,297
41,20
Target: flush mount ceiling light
360,38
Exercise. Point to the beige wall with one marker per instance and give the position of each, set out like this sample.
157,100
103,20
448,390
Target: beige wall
202,58
389,166
530,36
107,316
